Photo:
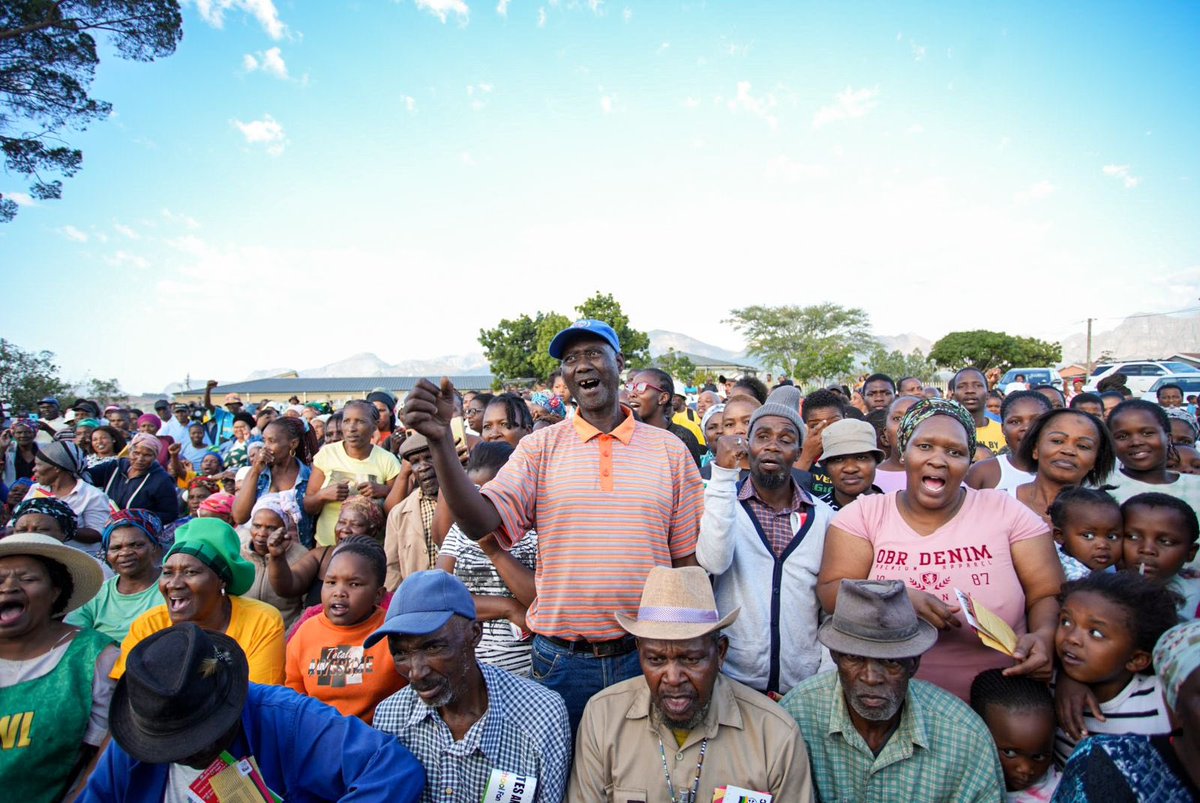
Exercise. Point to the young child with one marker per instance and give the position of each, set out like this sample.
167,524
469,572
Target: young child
325,658
1107,628
1087,528
1161,532
1019,712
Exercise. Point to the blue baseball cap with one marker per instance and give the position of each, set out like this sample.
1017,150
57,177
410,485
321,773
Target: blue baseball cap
423,603
585,326
49,400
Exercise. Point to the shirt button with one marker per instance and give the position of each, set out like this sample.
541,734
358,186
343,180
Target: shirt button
679,756
449,791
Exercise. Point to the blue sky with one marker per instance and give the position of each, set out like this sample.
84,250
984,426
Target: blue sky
302,181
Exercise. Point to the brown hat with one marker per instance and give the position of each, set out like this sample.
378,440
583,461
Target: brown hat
850,436
677,605
415,442
875,619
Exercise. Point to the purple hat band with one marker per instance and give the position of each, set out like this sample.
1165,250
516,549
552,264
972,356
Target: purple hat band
682,616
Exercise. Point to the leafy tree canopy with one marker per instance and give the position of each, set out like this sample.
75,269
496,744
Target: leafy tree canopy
983,349
26,377
519,348
806,343
898,365
678,366
48,58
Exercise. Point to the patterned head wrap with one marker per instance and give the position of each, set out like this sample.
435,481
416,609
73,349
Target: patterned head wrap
369,508
65,456
273,503
137,518
149,441
28,423
207,483
1176,657
90,423
716,409
54,508
220,460
926,409
1181,414
220,503
550,402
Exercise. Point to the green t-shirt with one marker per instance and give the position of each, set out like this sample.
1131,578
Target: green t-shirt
112,612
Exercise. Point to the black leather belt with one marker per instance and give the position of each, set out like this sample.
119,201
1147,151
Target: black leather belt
600,649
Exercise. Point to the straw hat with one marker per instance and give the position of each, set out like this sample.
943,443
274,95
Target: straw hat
85,571
677,605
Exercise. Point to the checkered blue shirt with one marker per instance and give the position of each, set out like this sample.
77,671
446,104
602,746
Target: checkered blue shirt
525,730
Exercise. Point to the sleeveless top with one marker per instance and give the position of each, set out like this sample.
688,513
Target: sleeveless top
1010,475
43,721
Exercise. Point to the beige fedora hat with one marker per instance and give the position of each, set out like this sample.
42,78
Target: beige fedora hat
677,605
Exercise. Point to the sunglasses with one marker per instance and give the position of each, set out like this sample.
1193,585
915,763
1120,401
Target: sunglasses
641,387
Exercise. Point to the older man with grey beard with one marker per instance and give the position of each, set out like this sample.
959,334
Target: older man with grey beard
874,733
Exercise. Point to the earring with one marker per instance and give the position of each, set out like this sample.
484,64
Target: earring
222,591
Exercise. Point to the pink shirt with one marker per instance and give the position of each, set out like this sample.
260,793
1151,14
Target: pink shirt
971,552
889,481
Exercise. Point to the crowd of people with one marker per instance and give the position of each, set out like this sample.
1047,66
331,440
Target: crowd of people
600,589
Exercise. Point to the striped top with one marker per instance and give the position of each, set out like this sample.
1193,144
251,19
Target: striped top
607,507
1139,708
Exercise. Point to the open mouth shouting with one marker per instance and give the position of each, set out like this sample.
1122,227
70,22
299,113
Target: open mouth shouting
11,613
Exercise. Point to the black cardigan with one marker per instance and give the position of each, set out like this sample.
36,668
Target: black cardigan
153,491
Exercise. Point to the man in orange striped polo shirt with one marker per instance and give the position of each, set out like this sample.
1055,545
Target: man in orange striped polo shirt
610,497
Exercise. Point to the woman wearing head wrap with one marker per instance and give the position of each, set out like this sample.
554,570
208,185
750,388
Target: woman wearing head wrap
150,423
54,683
940,536
1184,429
217,506
1163,768
202,580
84,428
243,431
270,518
17,445
385,403
138,480
714,416
548,406
60,470
132,546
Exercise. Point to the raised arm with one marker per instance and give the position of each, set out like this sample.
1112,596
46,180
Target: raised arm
429,409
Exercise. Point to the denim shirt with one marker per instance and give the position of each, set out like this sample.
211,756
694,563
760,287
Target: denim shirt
307,524
306,750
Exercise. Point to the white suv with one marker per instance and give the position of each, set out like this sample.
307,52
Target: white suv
1140,375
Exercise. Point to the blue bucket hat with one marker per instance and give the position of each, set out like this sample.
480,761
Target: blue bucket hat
586,326
424,602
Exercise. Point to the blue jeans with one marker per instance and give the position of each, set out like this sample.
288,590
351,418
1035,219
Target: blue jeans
578,675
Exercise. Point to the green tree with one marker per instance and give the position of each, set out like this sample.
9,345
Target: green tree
897,364
635,344
549,325
806,343
510,346
48,58
679,366
105,392
983,349
26,377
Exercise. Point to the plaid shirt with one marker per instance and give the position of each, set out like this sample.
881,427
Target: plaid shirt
428,505
524,731
940,751
777,525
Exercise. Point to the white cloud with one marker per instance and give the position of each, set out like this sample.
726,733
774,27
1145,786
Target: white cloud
1036,192
595,5
186,221
74,234
466,159
124,259
213,12
916,128
606,104
21,198
541,23
663,48
627,14
847,104
1122,172
266,131
477,92
126,231
691,103
502,8
444,8
269,61
918,51
410,103
758,106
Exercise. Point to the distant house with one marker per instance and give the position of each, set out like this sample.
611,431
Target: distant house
1072,371
324,389
714,365
1190,357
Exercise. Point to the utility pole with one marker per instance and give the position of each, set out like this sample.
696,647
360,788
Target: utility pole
1089,346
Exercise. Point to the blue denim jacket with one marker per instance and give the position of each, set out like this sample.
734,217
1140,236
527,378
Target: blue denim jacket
306,750
307,524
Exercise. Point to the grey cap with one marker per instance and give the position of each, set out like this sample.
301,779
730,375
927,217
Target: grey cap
783,402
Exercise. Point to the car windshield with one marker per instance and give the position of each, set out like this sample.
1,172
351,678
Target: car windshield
1179,367
1099,369
1190,384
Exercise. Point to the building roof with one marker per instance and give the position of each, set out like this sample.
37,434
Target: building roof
335,386
702,362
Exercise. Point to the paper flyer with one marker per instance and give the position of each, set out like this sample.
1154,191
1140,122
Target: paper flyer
993,631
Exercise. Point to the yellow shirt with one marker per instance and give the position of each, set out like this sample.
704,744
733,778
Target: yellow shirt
381,466
685,419
991,435
255,626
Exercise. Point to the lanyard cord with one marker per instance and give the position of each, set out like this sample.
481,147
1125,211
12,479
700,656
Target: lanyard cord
688,797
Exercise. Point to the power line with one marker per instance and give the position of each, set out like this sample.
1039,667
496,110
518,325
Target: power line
1140,315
